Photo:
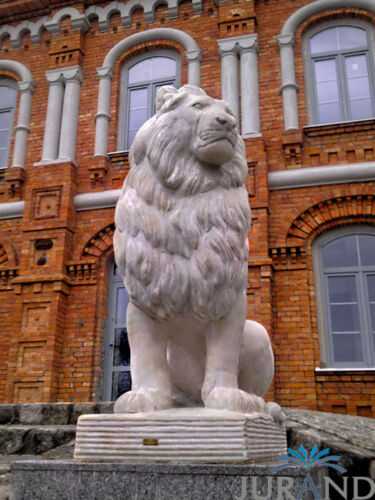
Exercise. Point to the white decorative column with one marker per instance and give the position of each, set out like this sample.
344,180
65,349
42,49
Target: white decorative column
23,120
53,119
103,115
69,122
194,67
230,73
250,116
289,86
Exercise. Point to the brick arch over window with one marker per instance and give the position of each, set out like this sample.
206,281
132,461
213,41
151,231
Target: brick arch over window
351,207
289,86
100,243
8,255
103,115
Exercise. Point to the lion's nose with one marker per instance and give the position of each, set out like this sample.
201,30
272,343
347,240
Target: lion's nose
226,121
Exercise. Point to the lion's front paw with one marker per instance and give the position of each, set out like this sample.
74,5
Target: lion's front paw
224,398
142,401
276,412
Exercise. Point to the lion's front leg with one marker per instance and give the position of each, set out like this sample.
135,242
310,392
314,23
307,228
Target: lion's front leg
224,340
152,388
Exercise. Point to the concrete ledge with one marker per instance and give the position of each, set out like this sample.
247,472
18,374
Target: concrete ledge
320,176
11,210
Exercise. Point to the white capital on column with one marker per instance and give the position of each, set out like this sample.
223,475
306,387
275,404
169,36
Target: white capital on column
53,118
194,67
23,120
69,123
289,87
229,74
250,118
103,115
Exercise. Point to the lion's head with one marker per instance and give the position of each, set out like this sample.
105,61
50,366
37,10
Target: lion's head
192,142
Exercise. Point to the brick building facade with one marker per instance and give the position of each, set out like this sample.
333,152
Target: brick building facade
311,181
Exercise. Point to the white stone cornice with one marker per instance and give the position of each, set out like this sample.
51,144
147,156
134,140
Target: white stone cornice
321,176
12,210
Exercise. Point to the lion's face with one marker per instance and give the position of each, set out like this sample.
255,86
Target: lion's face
215,129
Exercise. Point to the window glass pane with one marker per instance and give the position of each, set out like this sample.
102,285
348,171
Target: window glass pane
138,111
341,252
344,318
347,348
4,139
327,91
5,120
371,287
367,250
140,72
7,97
121,382
325,41
3,157
163,67
342,289
121,305
121,351
358,87
351,38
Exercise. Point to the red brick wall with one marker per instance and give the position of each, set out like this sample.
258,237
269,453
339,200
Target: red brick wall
52,317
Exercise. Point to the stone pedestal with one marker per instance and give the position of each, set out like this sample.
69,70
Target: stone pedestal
185,435
72,480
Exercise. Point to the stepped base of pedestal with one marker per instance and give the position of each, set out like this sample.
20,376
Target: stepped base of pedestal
73,480
186,435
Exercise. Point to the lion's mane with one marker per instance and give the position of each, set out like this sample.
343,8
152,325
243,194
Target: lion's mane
181,227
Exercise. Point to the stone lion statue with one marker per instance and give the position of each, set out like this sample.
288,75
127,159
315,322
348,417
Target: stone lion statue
181,244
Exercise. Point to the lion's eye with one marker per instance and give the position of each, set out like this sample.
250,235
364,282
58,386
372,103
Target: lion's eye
197,105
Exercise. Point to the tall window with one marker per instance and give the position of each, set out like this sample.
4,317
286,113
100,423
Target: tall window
8,96
140,80
341,73
346,291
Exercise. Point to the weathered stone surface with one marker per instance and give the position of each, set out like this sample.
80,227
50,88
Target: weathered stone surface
33,439
79,409
8,414
45,414
68,480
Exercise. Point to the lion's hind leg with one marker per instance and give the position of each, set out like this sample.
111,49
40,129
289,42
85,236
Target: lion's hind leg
152,388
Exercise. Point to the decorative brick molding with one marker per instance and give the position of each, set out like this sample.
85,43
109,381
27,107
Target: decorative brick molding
81,21
82,273
359,205
99,243
6,277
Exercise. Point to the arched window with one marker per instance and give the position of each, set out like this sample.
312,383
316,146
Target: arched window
8,97
140,80
340,72
345,262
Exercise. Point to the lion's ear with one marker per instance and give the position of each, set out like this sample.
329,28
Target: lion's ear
163,95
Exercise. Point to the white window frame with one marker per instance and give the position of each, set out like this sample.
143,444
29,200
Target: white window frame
325,336
310,82
122,136
9,83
